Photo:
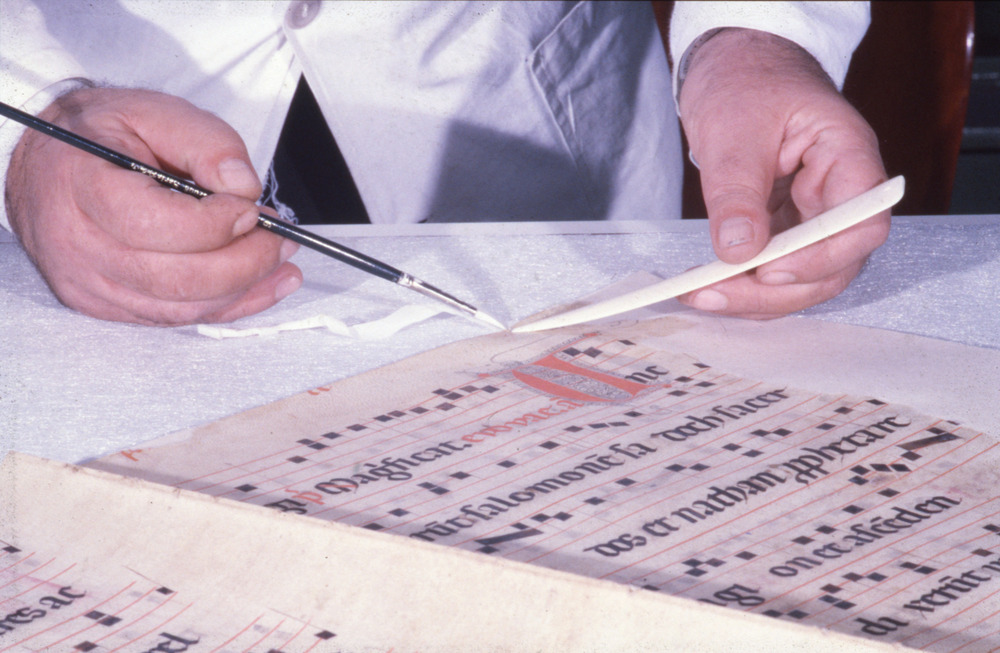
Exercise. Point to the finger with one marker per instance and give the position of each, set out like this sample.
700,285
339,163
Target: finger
194,142
745,296
107,300
842,251
737,176
836,160
838,167
103,278
286,280
138,212
185,139
230,270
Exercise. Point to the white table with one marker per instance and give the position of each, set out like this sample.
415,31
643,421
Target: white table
72,388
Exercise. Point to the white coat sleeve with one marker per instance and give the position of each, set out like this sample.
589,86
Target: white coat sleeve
829,31
34,70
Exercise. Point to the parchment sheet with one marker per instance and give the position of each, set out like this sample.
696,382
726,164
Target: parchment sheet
603,453
95,562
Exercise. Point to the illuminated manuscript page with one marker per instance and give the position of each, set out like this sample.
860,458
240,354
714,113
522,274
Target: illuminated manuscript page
601,455
95,562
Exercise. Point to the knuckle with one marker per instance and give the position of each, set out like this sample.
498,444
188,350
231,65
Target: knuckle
731,190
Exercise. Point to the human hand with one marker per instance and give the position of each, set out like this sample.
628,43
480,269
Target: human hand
776,144
117,245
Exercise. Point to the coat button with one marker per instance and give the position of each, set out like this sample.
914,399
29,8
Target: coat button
301,13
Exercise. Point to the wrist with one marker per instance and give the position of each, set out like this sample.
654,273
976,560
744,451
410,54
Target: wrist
738,63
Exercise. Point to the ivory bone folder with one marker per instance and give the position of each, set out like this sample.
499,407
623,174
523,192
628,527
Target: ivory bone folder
811,231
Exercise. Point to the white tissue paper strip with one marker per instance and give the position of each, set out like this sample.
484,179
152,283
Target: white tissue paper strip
379,329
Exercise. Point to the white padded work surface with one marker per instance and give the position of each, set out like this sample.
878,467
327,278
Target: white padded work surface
72,388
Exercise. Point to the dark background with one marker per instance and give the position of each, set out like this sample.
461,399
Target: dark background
977,179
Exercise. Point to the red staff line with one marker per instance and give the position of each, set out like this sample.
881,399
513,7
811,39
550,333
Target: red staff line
956,515
483,453
580,449
379,427
659,462
29,575
317,459
264,636
833,570
821,500
477,420
121,611
296,635
755,463
344,450
156,607
238,633
767,502
978,639
91,625
36,585
19,575
680,481
953,616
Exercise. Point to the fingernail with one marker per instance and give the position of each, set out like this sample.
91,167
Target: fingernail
735,231
245,223
777,278
710,300
288,248
286,287
236,174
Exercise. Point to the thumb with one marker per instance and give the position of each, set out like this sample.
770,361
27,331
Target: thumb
233,174
195,143
736,194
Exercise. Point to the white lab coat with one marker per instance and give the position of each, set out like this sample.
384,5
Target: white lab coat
443,110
